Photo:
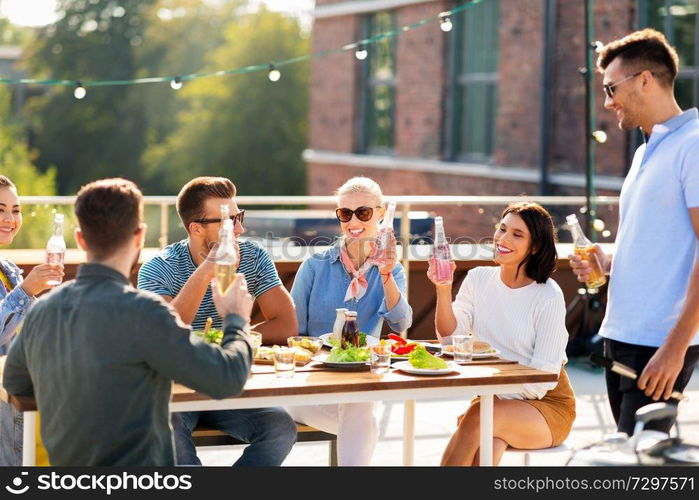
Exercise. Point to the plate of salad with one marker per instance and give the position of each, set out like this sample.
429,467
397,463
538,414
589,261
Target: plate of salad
329,340
352,358
421,362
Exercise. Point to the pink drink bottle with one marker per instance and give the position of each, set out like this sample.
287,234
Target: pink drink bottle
384,236
441,253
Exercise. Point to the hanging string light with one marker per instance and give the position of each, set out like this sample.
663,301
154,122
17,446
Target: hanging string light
600,136
598,46
274,74
445,23
360,48
79,91
176,83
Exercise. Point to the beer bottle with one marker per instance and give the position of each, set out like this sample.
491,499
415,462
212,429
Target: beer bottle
584,249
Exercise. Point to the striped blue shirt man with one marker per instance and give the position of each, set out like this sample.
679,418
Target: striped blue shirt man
167,273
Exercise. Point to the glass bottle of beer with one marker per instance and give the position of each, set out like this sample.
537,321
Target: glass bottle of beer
350,330
226,258
584,249
56,246
441,253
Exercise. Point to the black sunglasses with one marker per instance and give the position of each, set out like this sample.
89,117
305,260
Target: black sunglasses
362,213
237,217
609,87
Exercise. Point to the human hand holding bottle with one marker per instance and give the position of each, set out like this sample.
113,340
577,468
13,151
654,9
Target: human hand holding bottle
236,299
42,277
582,268
432,273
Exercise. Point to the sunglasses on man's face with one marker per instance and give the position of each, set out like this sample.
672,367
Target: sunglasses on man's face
235,218
363,213
609,87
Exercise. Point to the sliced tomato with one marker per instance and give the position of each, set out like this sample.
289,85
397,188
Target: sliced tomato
403,349
397,338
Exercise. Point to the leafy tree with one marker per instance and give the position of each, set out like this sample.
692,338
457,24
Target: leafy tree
104,133
16,162
244,127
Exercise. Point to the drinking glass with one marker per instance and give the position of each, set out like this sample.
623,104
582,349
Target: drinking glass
380,358
284,362
255,342
463,348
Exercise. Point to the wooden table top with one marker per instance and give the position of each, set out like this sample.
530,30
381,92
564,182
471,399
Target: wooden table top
318,380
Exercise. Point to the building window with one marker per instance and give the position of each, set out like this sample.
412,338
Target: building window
378,89
677,19
474,83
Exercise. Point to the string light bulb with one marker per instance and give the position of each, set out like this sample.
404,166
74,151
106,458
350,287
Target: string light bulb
361,53
274,75
600,136
445,23
598,46
598,225
176,83
79,91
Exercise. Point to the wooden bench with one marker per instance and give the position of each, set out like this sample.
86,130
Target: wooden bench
204,436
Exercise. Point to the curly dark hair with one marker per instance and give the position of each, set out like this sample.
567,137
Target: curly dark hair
646,49
540,262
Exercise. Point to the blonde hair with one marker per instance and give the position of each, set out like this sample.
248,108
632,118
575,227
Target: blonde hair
361,185
6,182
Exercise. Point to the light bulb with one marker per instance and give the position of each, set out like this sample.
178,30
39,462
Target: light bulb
598,225
274,74
598,46
361,52
176,83
600,136
79,91
445,24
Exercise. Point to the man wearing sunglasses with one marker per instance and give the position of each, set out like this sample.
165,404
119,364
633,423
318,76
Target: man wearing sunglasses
181,273
652,318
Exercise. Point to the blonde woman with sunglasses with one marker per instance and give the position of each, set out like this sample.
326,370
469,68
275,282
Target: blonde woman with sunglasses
344,275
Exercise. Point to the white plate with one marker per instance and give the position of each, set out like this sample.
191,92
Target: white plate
406,367
447,351
326,336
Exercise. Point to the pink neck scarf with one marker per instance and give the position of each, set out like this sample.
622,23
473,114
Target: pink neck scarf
358,286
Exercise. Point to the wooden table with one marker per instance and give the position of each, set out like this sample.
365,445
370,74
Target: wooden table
313,385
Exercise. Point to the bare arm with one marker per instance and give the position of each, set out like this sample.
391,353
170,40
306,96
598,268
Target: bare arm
444,317
660,374
187,302
280,316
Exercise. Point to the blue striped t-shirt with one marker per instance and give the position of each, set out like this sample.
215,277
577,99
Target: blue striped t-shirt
167,273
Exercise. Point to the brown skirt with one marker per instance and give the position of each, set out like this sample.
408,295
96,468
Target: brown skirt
557,407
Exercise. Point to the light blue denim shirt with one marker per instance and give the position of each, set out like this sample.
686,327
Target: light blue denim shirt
13,308
320,286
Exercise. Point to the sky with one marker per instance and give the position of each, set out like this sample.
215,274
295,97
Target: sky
41,12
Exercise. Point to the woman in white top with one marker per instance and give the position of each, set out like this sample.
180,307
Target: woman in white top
520,311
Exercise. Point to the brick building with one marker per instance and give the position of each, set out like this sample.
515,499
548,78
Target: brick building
468,112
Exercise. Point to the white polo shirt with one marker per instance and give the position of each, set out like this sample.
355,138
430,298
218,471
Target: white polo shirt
656,245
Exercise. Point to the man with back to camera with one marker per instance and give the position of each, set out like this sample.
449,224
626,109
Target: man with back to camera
100,356
652,318
181,273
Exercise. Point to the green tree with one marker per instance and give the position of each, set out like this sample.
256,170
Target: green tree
104,133
16,162
244,127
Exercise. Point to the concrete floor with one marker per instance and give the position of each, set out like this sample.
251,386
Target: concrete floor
435,421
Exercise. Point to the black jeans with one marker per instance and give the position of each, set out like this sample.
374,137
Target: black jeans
624,395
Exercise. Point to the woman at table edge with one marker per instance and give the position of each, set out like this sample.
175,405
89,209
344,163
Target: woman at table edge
344,276
519,310
16,297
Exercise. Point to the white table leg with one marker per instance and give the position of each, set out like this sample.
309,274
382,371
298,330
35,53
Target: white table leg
409,432
29,439
486,449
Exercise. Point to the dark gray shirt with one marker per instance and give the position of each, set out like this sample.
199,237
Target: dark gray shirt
100,357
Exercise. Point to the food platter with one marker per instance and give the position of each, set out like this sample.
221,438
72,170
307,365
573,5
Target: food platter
447,350
351,365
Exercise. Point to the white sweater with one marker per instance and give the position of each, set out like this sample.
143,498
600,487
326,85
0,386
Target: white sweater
525,324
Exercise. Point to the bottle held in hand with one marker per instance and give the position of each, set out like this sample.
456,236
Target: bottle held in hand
350,331
584,249
56,246
226,258
383,239
441,254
